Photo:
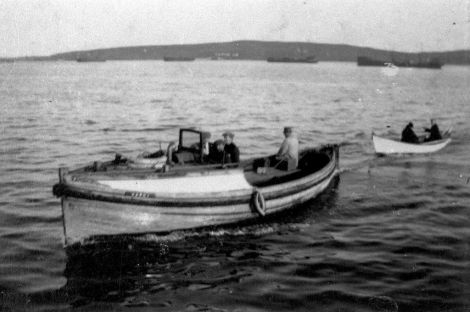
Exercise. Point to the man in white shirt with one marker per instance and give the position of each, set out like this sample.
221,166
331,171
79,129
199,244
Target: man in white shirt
287,158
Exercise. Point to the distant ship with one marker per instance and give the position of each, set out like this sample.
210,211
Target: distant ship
90,59
308,59
178,59
366,61
434,63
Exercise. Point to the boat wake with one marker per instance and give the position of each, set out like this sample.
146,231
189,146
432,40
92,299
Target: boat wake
252,230
155,240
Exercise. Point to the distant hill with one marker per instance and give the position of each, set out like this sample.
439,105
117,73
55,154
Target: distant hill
258,50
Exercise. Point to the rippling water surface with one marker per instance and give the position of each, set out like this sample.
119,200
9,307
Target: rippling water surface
391,234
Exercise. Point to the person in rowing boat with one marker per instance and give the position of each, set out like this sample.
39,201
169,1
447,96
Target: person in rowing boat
408,135
232,151
434,133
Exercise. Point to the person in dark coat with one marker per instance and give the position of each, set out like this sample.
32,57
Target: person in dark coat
231,149
217,154
408,135
434,133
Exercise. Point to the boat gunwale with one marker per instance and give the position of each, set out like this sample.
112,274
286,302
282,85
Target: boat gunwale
430,143
105,193
227,200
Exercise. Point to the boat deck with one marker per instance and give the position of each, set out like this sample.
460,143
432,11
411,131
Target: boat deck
310,161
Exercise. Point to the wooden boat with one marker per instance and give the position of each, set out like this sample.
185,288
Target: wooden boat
386,146
112,198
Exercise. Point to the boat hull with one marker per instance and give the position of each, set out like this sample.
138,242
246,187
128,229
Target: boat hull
85,218
385,146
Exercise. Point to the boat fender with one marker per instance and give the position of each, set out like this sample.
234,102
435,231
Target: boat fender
259,203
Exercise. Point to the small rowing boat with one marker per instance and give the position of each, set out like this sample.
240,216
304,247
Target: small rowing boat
117,197
386,146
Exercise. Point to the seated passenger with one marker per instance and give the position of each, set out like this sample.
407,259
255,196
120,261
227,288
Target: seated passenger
217,154
434,133
232,151
207,146
408,135
287,158
289,150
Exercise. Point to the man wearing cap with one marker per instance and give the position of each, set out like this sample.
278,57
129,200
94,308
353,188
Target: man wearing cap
231,150
289,150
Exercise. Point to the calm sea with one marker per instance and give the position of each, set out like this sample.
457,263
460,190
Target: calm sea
391,234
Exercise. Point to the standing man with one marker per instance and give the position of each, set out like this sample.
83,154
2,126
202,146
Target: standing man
289,150
231,150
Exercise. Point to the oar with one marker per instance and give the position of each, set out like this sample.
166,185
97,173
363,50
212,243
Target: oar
280,161
448,132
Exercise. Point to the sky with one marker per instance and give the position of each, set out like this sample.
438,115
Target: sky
44,27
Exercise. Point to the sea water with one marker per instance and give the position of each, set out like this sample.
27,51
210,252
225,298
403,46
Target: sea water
391,234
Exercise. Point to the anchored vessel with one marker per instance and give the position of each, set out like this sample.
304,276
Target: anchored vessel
120,197
433,64
308,59
90,59
178,59
367,61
